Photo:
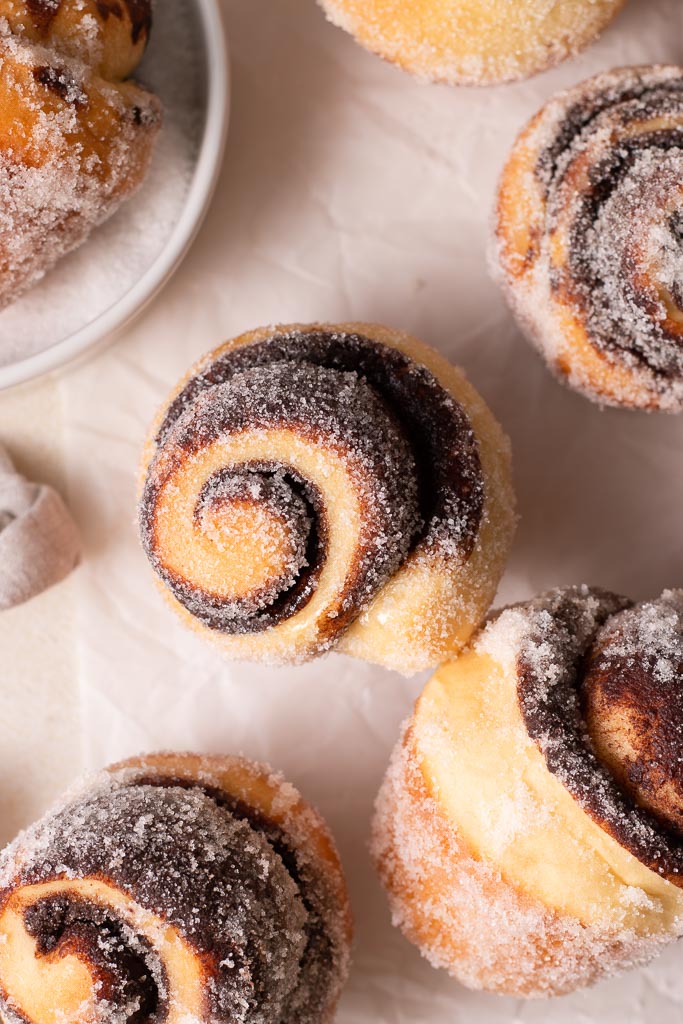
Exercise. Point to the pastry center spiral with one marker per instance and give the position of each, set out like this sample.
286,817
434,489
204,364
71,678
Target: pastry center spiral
255,526
632,280
599,691
179,910
589,236
296,475
126,971
633,705
623,155
262,487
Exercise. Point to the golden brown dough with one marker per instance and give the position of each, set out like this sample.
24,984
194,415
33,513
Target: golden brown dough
328,486
529,830
76,136
473,42
177,889
108,35
588,236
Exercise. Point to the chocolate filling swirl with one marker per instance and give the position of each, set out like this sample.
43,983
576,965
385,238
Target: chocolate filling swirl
127,971
612,177
408,448
434,426
240,897
581,648
299,503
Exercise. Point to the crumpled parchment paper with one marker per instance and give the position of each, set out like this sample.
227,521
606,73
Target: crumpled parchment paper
350,191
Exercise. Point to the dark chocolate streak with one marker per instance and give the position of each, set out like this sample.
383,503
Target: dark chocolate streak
584,113
335,409
436,427
210,608
43,13
210,875
72,926
554,720
62,84
607,177
632,699
162,841
311,999
139,12
662,352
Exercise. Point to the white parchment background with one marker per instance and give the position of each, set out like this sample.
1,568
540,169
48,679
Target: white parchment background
350,191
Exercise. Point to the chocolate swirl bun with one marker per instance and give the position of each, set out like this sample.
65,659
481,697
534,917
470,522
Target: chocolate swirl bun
544,851
76,134
176,889
312,487
590,236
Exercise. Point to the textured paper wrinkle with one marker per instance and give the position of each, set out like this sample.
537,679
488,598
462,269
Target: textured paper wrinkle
352,192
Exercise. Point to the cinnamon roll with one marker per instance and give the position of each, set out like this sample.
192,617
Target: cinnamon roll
590,236
318,487
174,888
76,133
530,829
473,42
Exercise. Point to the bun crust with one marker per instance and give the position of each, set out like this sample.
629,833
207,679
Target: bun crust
472,42
510,853
310,487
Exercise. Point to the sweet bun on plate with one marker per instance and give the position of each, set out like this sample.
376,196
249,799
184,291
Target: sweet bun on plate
76,133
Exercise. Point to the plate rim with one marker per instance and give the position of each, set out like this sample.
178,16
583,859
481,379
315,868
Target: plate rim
202,187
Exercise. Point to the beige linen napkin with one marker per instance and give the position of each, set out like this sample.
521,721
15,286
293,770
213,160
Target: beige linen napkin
39,541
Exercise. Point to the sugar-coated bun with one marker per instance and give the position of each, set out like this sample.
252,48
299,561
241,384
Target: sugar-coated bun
109,35
529,830
177,889
589,223
473,42
322,486
76,139
633,704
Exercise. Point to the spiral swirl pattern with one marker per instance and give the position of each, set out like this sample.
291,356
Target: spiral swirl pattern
590,236
609,725
545,851
174,889
299,473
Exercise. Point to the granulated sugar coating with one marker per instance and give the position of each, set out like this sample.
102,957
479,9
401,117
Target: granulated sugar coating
590,245
473,42
184,901
74,144
633,703
567,630
92,279
512,852
306,484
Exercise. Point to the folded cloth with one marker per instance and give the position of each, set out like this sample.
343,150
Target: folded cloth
39,541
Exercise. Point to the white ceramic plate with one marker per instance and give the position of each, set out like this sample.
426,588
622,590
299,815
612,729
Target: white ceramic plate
99,288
